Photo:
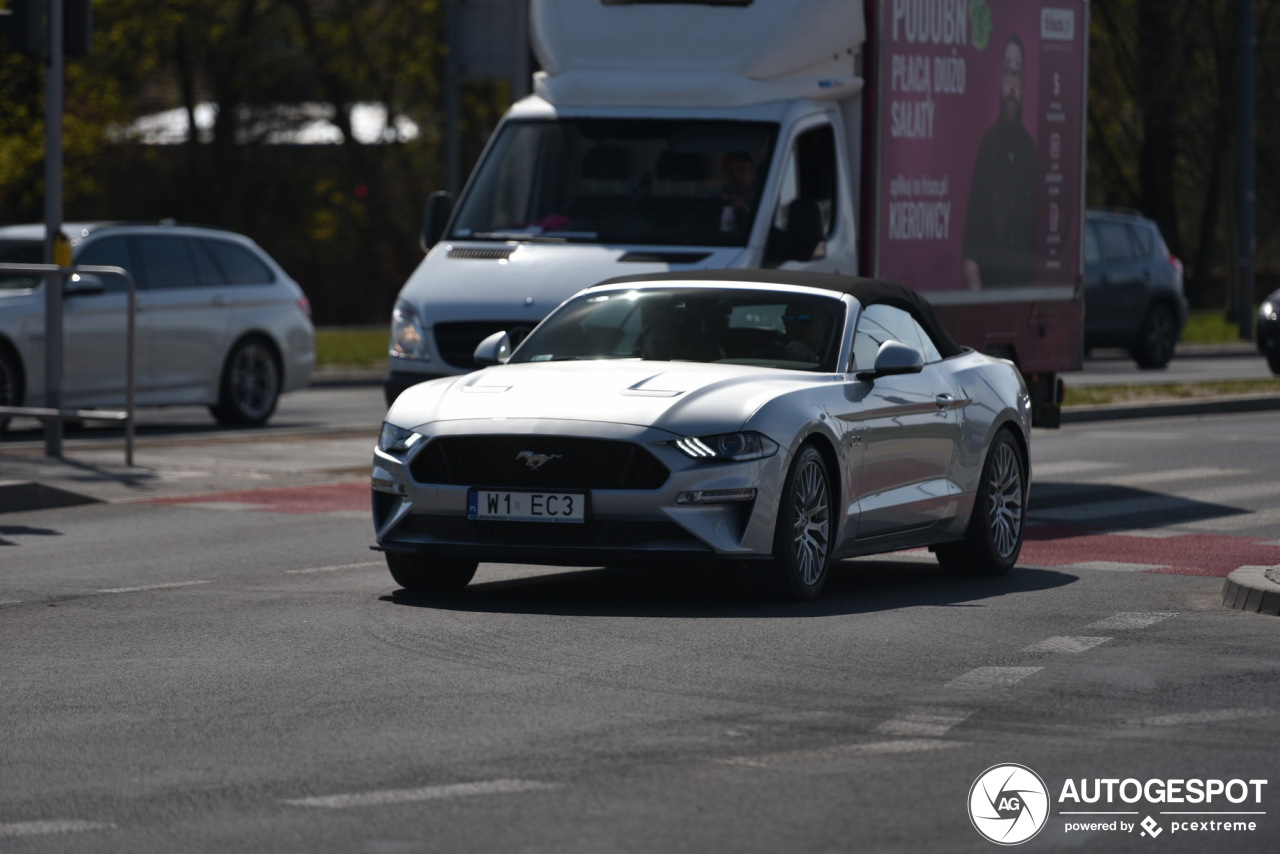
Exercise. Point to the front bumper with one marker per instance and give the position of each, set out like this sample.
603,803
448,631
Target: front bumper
621,526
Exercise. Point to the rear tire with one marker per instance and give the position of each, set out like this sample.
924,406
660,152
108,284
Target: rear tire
803,534
250,385
994,536
1157,338
431,575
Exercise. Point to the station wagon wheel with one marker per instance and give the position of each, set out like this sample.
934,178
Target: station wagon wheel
802,536
994,537
430,574
1157,338
250,387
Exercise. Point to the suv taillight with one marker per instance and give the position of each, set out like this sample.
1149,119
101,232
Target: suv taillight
304,305
1175,263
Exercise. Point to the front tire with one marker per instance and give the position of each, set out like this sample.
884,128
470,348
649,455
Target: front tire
431,575
250,385
803,534
994,536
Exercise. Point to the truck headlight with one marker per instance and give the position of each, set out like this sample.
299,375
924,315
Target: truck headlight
408,336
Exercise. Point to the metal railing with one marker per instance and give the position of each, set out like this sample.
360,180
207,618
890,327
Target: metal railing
53,374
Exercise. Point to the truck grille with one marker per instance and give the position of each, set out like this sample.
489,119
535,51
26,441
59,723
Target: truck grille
512,461
457,341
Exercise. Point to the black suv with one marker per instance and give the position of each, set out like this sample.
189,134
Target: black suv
1133,295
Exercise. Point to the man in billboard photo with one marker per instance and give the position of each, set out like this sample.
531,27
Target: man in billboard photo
999,227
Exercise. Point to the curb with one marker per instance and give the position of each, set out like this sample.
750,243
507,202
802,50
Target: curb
1250,589
1222,404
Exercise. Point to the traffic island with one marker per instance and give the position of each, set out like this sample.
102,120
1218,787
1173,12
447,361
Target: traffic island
1253,588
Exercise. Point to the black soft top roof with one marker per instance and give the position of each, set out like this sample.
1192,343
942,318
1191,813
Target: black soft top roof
865,290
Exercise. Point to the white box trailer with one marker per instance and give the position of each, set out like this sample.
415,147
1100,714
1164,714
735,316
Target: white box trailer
938,143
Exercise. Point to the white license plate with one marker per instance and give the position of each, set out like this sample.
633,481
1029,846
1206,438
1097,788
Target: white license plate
504,506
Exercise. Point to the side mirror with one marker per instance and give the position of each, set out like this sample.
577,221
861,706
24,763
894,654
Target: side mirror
435,217
494,350
83,284
894,358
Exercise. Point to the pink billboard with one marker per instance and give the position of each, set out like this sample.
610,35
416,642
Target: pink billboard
979,127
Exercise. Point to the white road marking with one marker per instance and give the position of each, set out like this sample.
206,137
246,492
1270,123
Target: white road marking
1043,470
10,602
924,722
1193,474
164,586
1131,620
337,568
425,793
838,752
1065,644
992,677
1110,566
44,828
1204,717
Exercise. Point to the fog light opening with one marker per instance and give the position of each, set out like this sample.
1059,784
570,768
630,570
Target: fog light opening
716,496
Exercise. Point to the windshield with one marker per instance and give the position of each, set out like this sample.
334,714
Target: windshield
746,327
635,181
20,252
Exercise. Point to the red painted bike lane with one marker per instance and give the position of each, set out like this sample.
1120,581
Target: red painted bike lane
1205,554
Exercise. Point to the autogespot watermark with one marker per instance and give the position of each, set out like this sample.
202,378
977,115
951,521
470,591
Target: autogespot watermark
1009,804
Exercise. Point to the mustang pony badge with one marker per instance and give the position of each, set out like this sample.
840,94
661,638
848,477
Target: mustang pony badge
536,461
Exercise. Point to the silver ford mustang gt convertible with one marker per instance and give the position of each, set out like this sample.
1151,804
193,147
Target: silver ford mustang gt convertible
784,419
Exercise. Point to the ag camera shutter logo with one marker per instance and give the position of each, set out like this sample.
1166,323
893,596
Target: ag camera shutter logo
1008,804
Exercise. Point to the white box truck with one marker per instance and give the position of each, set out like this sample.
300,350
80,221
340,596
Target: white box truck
937,143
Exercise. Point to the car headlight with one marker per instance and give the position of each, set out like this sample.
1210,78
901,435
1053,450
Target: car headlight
1268,311
397,440
735,447
408,336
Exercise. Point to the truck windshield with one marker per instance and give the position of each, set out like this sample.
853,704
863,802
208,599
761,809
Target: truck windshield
633,181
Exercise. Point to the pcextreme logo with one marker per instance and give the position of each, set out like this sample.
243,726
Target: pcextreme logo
1008,804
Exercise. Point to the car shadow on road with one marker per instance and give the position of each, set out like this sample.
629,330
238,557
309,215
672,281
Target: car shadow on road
863,585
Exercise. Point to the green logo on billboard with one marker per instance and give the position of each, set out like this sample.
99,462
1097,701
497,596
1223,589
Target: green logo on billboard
979,23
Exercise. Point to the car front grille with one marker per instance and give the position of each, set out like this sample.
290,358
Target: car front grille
457,342
538,462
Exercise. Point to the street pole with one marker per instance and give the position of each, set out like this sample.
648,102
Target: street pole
54,243
1247,194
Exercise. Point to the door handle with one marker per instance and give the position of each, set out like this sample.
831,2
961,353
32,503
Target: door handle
218,301
944,401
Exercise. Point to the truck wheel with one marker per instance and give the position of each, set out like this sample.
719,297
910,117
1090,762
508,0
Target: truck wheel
430,575
1157,338
994,537
802,536
250,386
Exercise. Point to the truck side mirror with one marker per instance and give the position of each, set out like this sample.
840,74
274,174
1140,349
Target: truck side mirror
435,217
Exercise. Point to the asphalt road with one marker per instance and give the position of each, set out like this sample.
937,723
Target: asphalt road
218,673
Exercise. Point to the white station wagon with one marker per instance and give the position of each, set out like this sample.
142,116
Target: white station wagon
219,322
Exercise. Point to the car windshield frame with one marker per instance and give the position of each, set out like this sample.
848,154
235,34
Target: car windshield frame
757,327
644,181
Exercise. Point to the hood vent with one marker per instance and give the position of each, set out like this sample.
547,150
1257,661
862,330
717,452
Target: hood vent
664,257
471,254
